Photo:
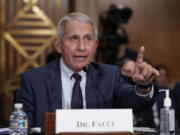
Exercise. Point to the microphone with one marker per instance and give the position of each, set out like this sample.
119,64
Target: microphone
85,69
98,94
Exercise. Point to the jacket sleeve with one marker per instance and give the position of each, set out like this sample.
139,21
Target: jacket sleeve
25,96
126,96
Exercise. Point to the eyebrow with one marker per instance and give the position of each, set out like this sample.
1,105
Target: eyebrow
91,35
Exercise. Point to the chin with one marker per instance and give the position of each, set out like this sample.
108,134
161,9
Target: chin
79,68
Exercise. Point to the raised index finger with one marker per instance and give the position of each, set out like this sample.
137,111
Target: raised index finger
140,55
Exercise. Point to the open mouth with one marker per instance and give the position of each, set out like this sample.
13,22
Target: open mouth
80,57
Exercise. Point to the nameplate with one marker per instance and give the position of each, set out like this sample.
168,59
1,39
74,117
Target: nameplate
94,120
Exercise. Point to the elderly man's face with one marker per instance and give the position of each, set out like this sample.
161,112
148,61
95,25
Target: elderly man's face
78,45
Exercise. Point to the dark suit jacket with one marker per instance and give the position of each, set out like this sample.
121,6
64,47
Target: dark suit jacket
41,90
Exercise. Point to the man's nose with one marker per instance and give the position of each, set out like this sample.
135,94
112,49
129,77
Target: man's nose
82,46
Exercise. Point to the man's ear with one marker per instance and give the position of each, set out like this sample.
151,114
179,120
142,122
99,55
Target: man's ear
57,45
97,43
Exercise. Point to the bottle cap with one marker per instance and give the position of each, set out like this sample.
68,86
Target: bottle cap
18,105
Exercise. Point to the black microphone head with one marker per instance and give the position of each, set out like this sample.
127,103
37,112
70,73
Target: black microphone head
85,69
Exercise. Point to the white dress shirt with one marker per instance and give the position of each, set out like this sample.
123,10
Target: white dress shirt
68,83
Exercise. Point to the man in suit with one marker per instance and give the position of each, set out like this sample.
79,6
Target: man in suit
74,81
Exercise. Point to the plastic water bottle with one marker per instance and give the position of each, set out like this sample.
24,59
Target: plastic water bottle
18,121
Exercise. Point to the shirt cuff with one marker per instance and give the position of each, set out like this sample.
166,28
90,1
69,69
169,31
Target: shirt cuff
149,94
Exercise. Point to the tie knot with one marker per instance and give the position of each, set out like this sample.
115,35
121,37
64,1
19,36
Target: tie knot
77,76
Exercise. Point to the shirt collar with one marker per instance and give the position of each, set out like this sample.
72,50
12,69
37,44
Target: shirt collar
67,72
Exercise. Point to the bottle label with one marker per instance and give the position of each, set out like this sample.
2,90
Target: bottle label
22,123
19,124
14,124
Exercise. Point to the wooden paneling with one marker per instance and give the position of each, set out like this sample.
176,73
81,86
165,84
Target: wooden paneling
28,28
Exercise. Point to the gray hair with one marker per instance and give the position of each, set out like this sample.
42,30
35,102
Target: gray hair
74,16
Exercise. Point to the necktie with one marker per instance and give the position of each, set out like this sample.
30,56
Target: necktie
77,100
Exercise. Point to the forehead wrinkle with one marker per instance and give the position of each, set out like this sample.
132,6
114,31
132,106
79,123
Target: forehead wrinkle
69,26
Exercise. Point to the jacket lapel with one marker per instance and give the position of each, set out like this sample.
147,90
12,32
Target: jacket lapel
54,86
91,87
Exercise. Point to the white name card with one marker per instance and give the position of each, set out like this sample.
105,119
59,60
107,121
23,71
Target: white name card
94,120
